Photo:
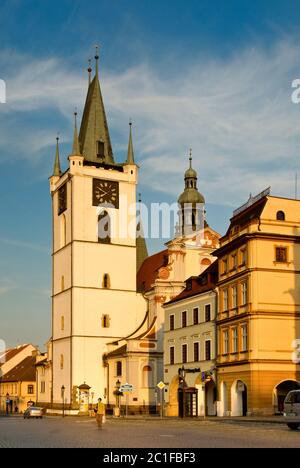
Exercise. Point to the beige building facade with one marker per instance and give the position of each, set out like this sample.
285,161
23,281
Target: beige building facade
258,319
190,348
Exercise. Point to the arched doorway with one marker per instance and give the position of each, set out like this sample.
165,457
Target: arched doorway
223,400
281,391
239,399
210,398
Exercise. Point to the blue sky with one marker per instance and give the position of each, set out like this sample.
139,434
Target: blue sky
212,75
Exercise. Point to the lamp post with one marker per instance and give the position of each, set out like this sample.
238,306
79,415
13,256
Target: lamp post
182,373
7,402
118,394
63,399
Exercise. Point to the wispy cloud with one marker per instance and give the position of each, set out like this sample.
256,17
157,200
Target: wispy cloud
6,285
24,245
237,115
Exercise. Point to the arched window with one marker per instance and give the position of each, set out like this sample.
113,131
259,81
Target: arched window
105,321
106,281
118,368
104,228
280,216
62,231
147,377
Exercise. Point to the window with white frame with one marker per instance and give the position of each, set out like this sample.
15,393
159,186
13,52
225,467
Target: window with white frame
234,296
225,300
244,333
225,342
244,293
235,340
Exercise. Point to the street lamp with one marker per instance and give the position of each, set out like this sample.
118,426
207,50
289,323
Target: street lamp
63,388
182,374
118,393
7,402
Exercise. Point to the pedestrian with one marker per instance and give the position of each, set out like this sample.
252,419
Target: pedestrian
100,413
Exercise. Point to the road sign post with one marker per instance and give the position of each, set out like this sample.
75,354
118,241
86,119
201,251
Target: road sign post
161,385
126,389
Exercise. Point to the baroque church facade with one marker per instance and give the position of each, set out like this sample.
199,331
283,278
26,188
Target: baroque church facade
107,294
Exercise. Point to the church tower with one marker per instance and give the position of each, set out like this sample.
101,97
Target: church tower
94,298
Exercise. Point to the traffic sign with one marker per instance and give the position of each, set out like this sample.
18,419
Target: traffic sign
126,388
161,385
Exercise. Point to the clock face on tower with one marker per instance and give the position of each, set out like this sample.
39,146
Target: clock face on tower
105,192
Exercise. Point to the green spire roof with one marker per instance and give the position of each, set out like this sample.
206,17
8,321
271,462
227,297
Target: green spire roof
76,146
94,136
56,168
191,193
130,154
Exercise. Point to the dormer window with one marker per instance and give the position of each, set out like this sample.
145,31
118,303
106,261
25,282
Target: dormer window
280,216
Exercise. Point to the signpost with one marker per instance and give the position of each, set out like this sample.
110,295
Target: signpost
161,385
126,389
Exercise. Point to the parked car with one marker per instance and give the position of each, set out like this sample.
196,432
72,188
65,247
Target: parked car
292,409
33,412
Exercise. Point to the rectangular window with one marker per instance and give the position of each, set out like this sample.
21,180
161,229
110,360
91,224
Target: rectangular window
43,387
225,342
244,330
184,319
243,256
118,368
281,254
234,261
184,353
235,340
207,313
172,355
172,322
208,350
62,323
196,352
30,389
225,265
196,316
244,293
225,300
234,297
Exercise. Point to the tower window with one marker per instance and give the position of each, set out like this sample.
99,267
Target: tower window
61,361
281,254
104,228
280,216
106,281
62,323
105,321
62,283
100,149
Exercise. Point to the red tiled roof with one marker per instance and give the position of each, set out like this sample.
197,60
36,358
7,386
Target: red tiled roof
147,274
199,284
23,372
10,353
